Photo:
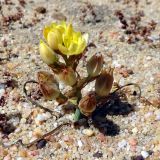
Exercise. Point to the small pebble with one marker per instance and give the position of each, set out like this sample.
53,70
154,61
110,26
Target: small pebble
101,137
43,117
42,143
41,10
66,138
51,138
88,132
25,140
2,91
110,154
3,152
133,148
158,117
133,142
138,157
80,143
37,133
57,146
98,155
135,130
20,158
147,115
23,120
59,16
40,117
122,144
148,58
8,157
26,105
144,154
23,153
55,124
34,153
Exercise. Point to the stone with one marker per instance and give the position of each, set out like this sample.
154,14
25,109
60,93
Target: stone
23,153
135,130
37,133
80,143
144,154
41,10
43,117
2,91
133,142
42,143
57,146
88,132
101,137
34,153
122,144
59,16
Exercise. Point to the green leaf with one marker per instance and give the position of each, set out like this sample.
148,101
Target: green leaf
77,114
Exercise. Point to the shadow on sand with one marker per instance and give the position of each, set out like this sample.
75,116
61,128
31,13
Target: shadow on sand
114,106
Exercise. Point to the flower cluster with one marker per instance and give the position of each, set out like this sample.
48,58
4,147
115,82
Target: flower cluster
62,40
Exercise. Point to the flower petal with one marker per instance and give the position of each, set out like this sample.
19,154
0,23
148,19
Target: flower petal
76,35
53,39
72,49
46,30
63,49
47,54
81,45
66,40
69,30
61,29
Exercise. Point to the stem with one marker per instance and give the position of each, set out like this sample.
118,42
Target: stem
129,84
35,141
47,134
104,99
34,102
81,84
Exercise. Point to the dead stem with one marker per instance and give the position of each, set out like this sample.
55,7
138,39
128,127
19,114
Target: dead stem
47,134
34,102
104,99
146,101
129,84
19,142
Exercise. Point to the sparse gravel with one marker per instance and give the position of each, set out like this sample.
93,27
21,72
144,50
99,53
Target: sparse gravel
136,134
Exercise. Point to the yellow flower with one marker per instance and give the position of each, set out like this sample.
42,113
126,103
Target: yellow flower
47,54
53,35
62,37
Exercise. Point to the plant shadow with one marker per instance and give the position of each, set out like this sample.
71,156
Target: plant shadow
113,106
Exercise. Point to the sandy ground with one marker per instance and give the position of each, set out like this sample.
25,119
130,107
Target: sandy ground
131,134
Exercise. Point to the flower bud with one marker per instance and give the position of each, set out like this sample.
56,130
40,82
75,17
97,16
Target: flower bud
94,65
47,54
53,39
104,82
87,104
67,76
48,85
